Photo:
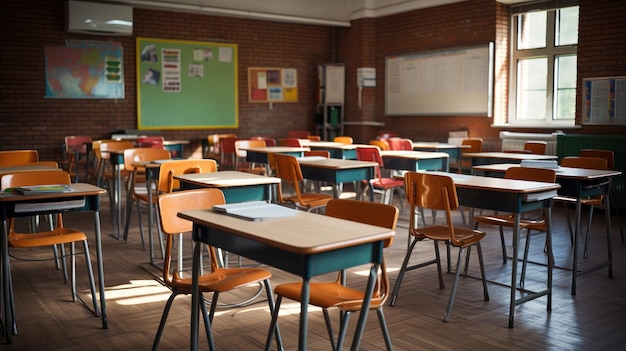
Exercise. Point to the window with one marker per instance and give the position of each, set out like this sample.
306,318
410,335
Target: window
543,66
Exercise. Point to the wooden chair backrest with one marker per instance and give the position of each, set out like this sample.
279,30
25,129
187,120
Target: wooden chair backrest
584,162
372,213
246,144
292,142
13,180
475,145
314,138
536,147
143,154
169,206
320,153
533,174
609,155
169,169
17,157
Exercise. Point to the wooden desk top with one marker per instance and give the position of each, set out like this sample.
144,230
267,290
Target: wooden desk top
276,149
414,154
436,145
499,184
561,172
335,163
78,189
509,156
27,168
304,233
224,179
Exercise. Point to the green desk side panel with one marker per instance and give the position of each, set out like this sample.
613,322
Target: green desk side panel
186,84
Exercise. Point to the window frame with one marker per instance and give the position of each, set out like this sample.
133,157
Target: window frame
551,52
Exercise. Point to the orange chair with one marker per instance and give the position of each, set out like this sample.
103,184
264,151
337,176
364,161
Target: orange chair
288,169
382,145
76,153
437,192
57,236
343,139
400,144
335,294
167,184
384,185
597,201
136,186
508,220
314,138
241,163
218,280
10,158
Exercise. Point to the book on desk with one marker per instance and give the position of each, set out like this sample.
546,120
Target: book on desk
43,189
255,210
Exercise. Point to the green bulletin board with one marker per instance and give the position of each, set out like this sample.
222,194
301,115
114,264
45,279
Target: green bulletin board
186,84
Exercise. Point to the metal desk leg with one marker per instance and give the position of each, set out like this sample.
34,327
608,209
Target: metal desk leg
101,286
304,306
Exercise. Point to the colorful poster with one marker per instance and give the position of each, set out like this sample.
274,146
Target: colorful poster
85,70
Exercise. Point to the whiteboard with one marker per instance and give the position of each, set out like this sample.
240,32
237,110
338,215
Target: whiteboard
452,82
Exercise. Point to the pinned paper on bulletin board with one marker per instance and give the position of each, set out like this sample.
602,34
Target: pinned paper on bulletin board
272,85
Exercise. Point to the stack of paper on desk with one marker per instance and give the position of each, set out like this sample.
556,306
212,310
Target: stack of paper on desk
44,189
255,210
549,164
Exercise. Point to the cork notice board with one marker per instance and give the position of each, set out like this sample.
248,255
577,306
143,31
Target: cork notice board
271,85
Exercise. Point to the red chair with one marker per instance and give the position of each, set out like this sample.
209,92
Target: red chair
400,144
292,142
228,152
155,142
385,186
268,141
77,154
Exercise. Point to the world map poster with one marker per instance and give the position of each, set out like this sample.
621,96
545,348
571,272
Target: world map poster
85,70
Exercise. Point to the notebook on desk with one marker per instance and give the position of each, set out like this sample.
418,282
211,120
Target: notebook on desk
255,210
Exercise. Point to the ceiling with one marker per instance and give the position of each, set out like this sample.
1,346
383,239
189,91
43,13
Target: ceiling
322,12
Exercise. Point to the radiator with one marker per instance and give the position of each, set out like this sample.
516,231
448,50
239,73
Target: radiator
516,141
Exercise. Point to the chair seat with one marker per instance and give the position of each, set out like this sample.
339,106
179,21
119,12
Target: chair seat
57,236
310,199
328,294
464,236
507,220
596,202
221,280
387,183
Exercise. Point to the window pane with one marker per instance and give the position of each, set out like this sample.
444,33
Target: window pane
531,88
567,26
532,30
565,86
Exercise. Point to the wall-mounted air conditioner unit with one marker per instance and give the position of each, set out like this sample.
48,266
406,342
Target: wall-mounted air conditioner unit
99,19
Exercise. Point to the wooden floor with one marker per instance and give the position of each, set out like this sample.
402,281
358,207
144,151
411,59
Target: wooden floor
594,319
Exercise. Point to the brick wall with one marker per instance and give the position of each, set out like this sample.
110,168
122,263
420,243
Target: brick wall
27,120
30,121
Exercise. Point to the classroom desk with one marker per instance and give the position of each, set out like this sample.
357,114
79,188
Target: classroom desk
336,171
515,196
337,150
91,194
453,151
487,158
578,183
319,245
260,154
237,186
176,148
415,160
